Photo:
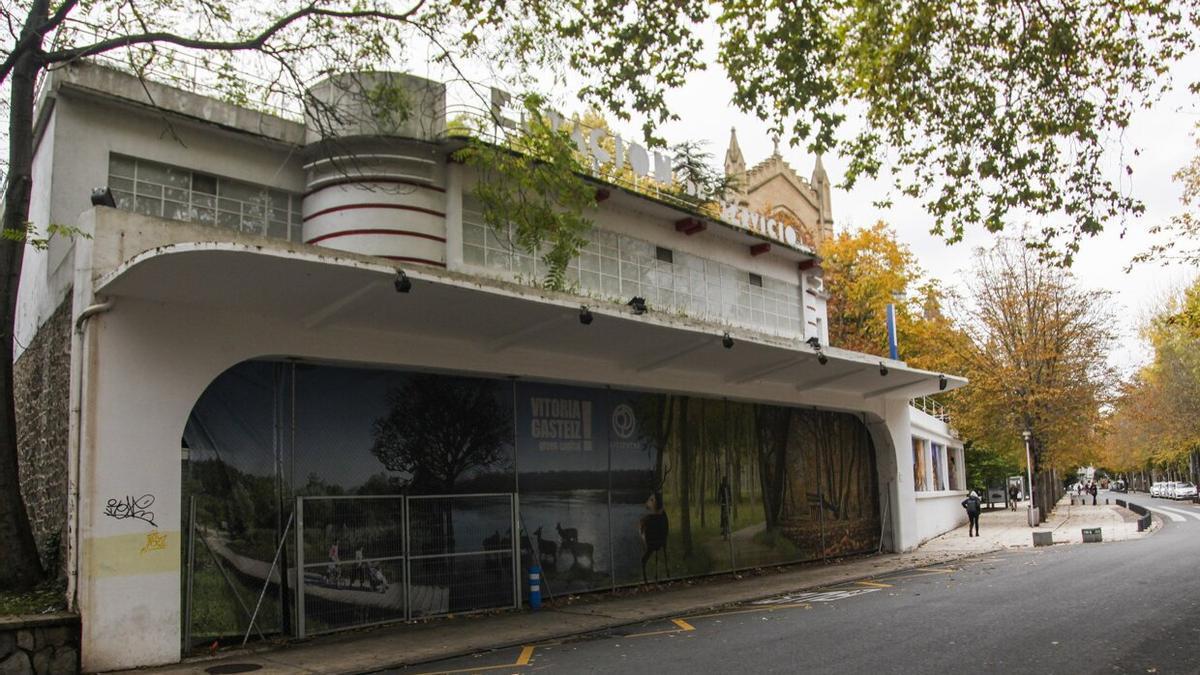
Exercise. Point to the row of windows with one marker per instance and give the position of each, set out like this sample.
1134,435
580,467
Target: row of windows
610,266
166,191
937,466
618,267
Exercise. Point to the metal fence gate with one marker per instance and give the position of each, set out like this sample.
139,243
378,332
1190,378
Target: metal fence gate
365,560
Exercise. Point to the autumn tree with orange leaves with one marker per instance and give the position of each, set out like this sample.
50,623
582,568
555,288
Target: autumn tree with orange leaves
867,269
1155,423
1036,354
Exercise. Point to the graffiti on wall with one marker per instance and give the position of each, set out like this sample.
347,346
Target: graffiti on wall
126,507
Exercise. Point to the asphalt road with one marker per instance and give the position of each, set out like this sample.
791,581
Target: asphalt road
1130,606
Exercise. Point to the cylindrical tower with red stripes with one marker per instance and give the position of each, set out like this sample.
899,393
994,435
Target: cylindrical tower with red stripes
376,180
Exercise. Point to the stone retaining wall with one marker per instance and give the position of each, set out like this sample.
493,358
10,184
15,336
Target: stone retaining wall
39,645
41,387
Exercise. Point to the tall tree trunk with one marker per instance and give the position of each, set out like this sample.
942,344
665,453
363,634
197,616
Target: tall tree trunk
19,563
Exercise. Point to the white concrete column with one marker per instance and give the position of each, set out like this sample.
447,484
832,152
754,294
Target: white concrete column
146,367
892,435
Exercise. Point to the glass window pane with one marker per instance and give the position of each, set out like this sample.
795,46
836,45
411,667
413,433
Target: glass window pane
203,216
120,166
149,189
230,220
148,206
176,210
204,183
153,172
473,255
242,191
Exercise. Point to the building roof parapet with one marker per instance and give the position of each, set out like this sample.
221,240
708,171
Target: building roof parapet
104,81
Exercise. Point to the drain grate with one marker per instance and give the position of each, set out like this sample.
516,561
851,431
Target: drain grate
230,668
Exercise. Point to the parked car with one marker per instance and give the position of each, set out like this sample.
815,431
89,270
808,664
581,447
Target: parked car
1168,490
1119,486
1156,489
1184,490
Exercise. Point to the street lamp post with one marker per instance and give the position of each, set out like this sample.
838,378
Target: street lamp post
1033,519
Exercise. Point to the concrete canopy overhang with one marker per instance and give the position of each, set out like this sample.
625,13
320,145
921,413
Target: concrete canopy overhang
317,289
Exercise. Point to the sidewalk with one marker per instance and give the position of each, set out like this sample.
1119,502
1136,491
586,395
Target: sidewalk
1002,528
371,650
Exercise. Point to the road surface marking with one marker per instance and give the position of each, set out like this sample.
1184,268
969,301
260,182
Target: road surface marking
873,584
815,596
924,572
767,608
526,654
1178,511
522,661
1163,512
681,627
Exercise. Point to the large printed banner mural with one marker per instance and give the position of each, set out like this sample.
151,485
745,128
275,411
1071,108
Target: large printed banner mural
614,487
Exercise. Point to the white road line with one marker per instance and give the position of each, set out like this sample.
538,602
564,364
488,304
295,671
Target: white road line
1177,510
1157,509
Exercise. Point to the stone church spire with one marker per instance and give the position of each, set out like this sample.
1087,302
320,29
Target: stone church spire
735,169
820,184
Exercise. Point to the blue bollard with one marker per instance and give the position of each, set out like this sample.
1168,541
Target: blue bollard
535,587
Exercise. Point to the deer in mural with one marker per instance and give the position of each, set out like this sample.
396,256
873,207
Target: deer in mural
569,534
581,553
547,550
653,527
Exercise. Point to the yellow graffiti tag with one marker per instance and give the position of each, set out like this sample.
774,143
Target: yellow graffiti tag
155,541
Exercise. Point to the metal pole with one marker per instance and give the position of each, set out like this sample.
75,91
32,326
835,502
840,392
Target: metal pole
267,582
300,567
191,573
612,559
408,585
516,550
893,348
1029,473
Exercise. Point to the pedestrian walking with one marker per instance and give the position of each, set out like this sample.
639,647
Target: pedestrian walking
1092,490
971,504
1012,497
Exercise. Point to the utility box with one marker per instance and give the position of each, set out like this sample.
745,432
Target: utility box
1091,535
1043,539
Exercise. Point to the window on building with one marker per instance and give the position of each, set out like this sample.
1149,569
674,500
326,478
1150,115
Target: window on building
920,461
166,191
756,280
618,267
937,455
664,254
953,471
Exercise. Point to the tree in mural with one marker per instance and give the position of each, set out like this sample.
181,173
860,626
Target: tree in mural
439,427
771,429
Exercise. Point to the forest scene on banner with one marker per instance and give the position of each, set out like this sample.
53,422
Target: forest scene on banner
744,485
449,477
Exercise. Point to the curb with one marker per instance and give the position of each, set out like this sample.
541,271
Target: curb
659,616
